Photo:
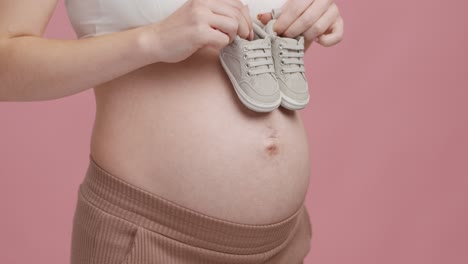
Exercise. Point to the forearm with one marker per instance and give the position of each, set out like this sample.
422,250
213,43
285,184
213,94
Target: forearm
35,69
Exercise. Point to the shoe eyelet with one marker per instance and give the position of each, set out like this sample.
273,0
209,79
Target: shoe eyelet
281,54
247,65
280,46
248,73
245,48
282,62
282,71
245,56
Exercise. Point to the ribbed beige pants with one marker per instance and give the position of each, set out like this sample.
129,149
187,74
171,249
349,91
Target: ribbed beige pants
116,222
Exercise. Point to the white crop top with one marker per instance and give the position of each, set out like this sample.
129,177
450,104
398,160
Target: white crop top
98,17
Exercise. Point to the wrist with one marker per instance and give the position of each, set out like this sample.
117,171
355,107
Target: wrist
148,43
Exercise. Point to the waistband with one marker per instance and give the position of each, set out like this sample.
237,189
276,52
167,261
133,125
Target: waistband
148,210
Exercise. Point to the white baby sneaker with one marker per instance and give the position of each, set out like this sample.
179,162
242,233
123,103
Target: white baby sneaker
250,68
288,57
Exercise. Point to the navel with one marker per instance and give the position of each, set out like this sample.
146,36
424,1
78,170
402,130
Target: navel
272,141
272,149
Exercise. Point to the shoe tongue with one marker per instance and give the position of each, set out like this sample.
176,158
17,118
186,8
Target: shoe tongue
276,12
260,36
269,28
259,30
299,40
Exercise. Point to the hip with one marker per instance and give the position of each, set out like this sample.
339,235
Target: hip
117,222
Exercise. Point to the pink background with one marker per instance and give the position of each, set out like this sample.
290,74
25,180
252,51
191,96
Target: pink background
388,129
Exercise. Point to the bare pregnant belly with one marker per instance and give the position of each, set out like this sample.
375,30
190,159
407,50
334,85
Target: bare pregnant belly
180,132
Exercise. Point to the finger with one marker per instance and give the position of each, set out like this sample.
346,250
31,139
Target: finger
232,12
243,9
248,19
291,10
234,3
308,18
323,23
264,17
226,24
336,35
216,39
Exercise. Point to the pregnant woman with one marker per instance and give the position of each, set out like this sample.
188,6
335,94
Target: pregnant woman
180,171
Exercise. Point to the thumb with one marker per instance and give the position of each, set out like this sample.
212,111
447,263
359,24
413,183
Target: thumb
264,17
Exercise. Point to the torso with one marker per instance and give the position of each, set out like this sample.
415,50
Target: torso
180,132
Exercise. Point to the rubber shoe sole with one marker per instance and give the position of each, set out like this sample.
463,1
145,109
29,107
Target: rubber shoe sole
292,104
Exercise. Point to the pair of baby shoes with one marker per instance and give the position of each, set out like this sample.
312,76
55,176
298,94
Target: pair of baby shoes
268,71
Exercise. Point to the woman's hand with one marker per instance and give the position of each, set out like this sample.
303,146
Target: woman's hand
317,20
196,24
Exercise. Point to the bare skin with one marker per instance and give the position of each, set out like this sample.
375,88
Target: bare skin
201,149
167,121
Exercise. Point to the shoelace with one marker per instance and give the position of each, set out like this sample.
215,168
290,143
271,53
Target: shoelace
252,54
292,54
